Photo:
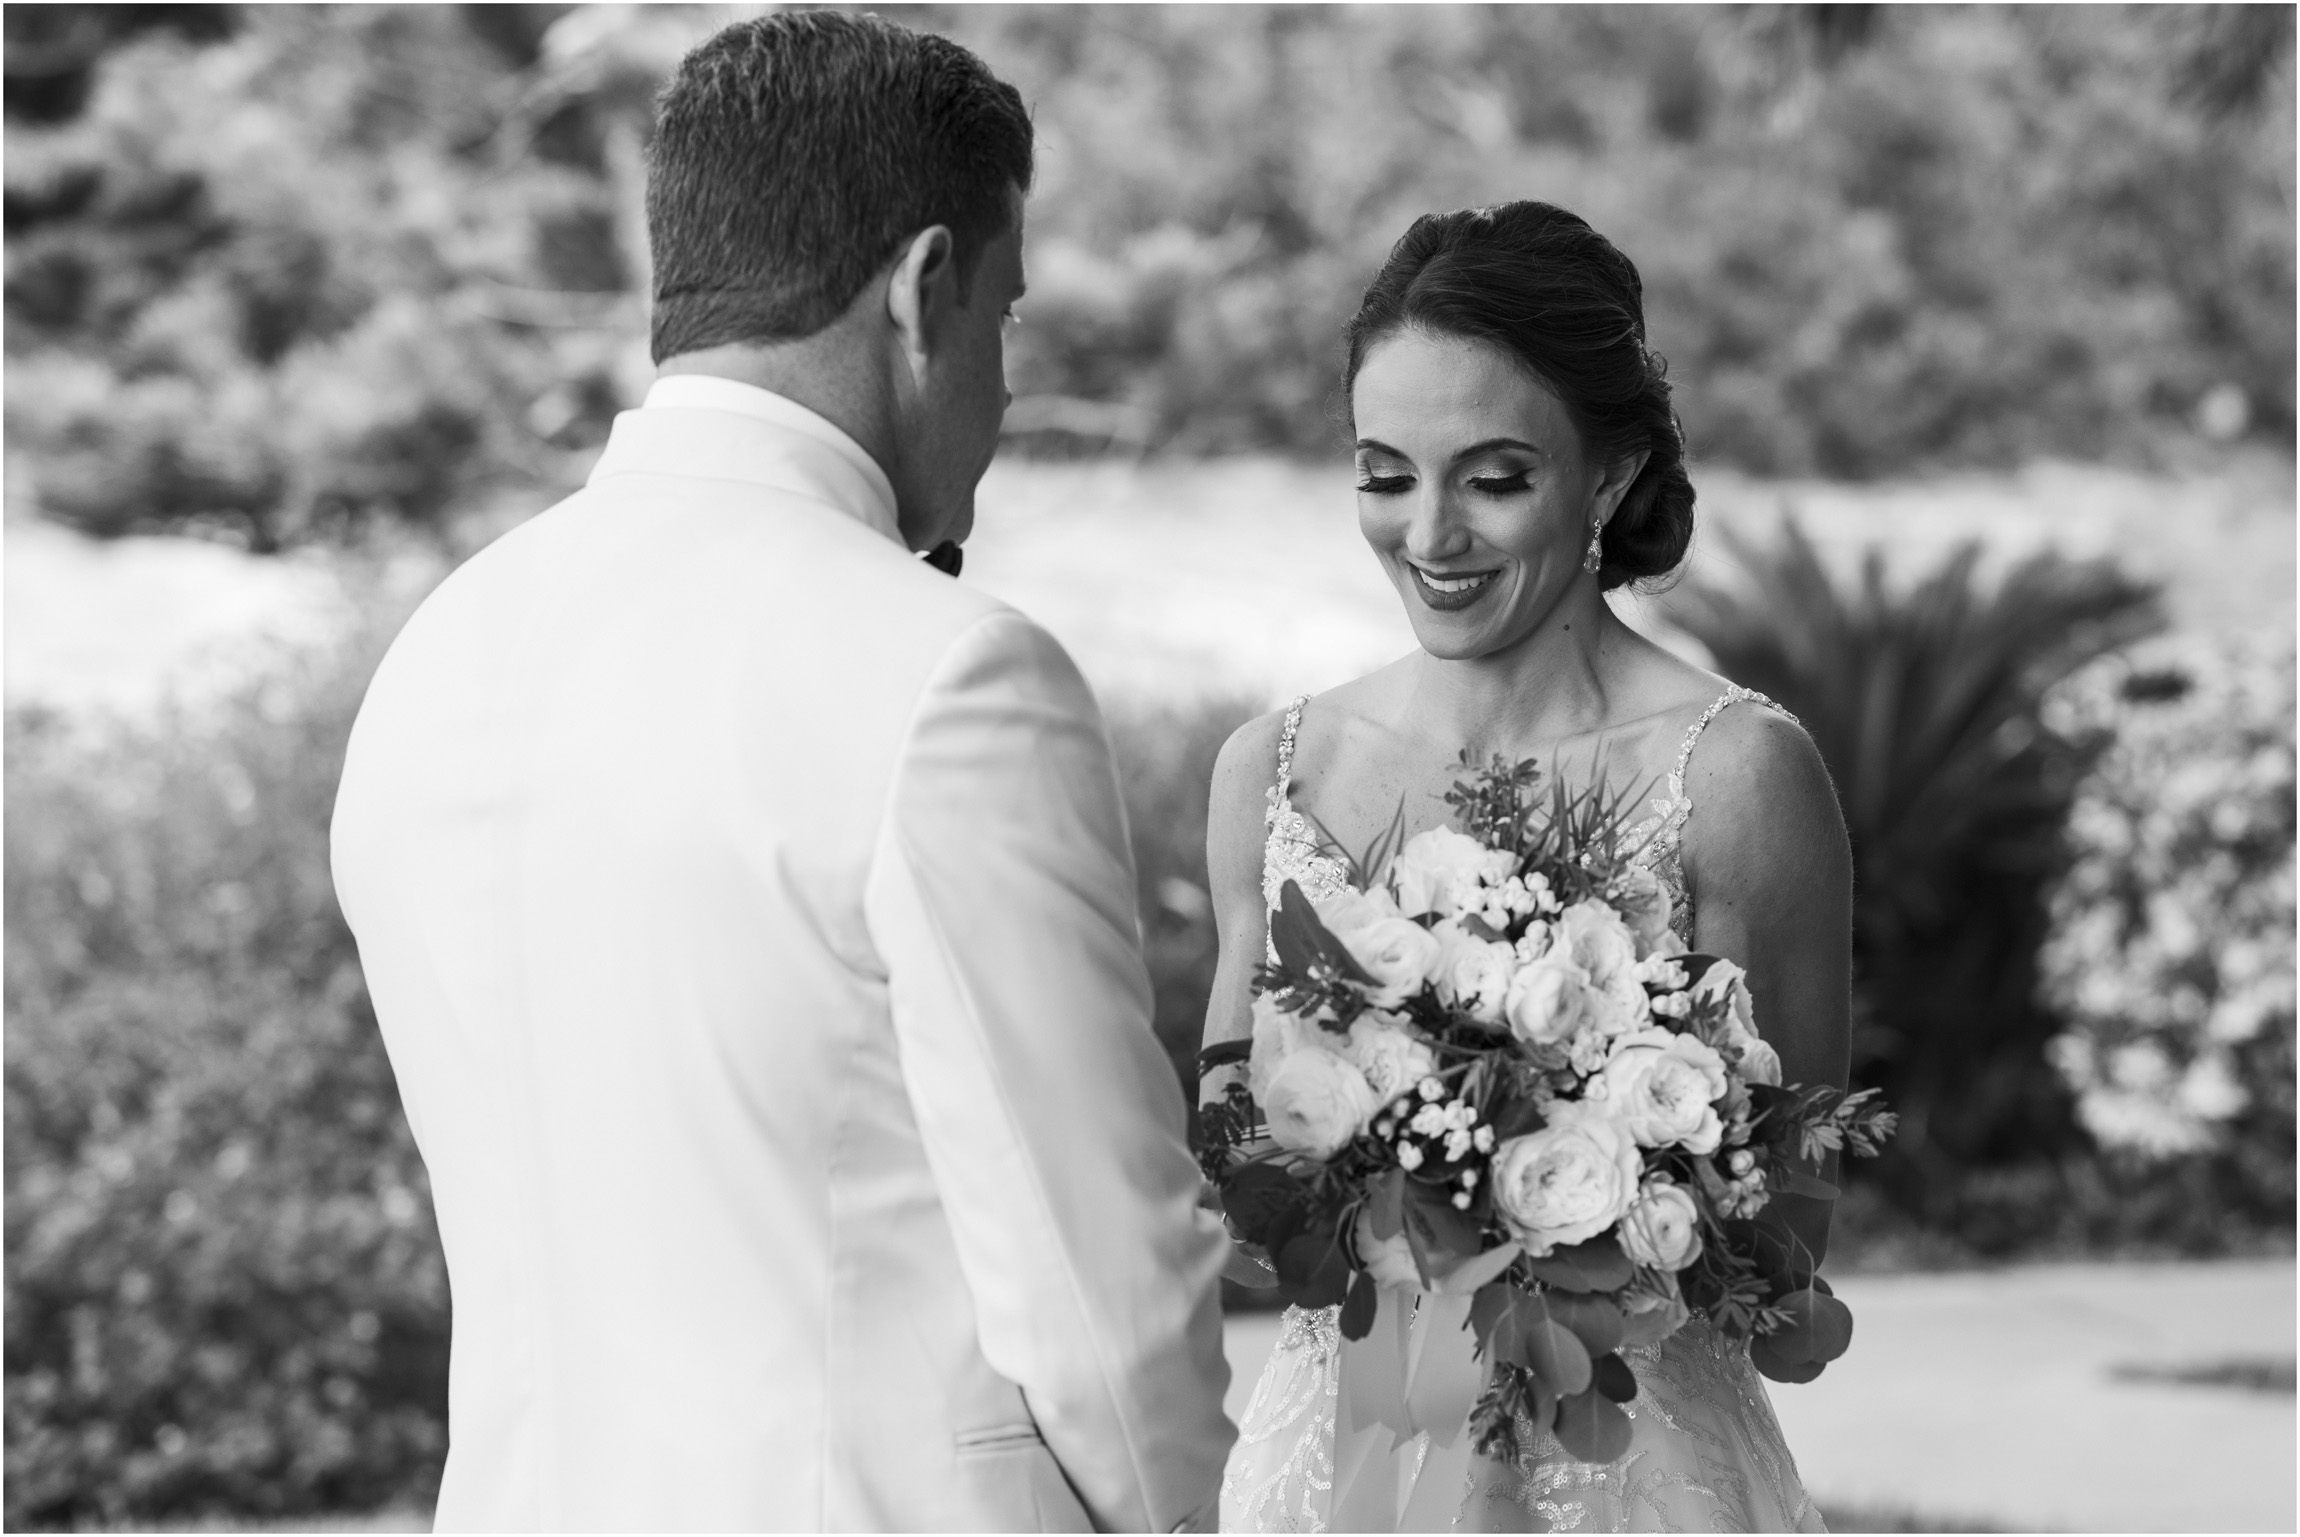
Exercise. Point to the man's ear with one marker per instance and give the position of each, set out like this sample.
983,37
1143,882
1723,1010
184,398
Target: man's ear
920,292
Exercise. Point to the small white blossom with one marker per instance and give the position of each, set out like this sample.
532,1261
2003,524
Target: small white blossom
1409,1157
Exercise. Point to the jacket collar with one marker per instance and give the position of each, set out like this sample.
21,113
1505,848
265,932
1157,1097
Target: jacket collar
709,428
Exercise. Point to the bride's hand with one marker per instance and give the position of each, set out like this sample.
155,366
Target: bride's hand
1245,1263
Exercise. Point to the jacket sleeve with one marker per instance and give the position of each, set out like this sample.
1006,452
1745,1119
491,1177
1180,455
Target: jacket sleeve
1001,900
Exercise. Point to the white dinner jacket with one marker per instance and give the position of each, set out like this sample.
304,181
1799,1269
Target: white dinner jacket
749,916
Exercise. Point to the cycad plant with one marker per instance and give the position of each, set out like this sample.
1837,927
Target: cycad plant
1924,700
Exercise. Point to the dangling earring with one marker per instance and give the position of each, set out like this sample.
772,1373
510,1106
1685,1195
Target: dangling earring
1596,557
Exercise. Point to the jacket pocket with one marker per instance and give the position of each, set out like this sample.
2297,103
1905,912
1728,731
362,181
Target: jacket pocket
1015,1485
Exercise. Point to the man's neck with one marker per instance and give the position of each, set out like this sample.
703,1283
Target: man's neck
827,374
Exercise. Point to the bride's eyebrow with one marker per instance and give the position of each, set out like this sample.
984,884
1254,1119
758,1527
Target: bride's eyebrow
1375,446
1490,444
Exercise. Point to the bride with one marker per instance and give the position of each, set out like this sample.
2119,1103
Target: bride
1517,458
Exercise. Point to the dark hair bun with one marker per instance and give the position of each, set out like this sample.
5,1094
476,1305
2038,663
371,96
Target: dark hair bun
1541,285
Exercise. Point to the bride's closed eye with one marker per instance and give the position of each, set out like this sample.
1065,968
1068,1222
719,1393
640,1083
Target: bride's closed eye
1382,485
1501,485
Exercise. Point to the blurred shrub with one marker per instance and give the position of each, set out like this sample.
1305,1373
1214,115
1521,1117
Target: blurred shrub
2171,954
224,1290
1166,755
1941,235
281,272
1926,704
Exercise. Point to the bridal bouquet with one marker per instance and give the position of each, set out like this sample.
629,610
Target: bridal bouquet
1489,1072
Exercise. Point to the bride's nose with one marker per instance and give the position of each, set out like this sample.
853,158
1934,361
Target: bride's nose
1436,531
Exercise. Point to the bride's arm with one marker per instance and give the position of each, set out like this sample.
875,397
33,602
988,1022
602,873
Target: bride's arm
1243,774
1770,872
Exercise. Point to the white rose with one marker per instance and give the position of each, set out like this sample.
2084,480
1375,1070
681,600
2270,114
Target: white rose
1392,1060
1643,903
1390,1261
1399,954
1664,1228
1728,981
1441,870
1661,1085
1316,1102
1277,1035
1395,951
1567,1182
1349,910
1549,1001
1472,974
1760,1063
1597,940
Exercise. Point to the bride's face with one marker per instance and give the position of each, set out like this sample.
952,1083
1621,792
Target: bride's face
1472,489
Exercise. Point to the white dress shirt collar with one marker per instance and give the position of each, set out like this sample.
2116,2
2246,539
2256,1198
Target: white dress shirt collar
800,450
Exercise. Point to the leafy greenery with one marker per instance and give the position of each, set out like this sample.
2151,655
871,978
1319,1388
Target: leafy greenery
224,1289
1925,703
282,273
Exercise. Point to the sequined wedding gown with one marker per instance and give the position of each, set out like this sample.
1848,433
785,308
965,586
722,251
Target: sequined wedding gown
1706,1453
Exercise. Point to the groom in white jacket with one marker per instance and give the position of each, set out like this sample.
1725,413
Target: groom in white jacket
747,906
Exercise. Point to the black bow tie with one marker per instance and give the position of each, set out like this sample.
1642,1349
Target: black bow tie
946,557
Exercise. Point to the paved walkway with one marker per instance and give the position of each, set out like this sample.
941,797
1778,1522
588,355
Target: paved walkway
1996,1399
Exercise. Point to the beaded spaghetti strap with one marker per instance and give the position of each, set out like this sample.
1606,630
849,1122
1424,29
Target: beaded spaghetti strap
1286,745
1733,692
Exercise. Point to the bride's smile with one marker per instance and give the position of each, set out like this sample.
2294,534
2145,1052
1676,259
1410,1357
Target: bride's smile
1475,492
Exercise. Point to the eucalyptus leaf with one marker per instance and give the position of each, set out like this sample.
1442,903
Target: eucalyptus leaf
1473,1273
1611,1375
1798,1182
1385,1204
1555,1352
1596,1321
1357,1320
1769,1361
1592,1426
1820,1327
1222,1053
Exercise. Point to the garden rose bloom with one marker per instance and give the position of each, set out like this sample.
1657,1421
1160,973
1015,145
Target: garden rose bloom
1277,1034
1392,1059
1567,1182
1395,951
1664,1228
1399,954
1349,910
1643,903
1316,1102
1760,1063
1662,1086
1597,940
1440,871
1472,974
1390,1261
1549,1002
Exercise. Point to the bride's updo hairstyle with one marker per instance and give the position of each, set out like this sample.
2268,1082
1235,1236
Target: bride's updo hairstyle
1541,286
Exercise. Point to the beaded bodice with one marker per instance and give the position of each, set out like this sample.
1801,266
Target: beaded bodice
1294,848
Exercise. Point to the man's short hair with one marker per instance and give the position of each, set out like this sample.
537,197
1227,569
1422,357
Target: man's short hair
796,153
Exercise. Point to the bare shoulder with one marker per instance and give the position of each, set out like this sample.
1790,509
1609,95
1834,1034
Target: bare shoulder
1762,799
1244,770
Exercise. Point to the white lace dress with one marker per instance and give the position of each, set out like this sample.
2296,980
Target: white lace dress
1706,1453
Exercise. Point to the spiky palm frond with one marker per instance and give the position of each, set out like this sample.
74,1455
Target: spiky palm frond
1924,701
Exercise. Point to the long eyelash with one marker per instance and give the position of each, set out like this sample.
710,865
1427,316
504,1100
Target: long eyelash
1385,485
1503,485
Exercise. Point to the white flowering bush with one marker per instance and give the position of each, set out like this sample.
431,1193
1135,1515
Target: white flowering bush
2171,951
